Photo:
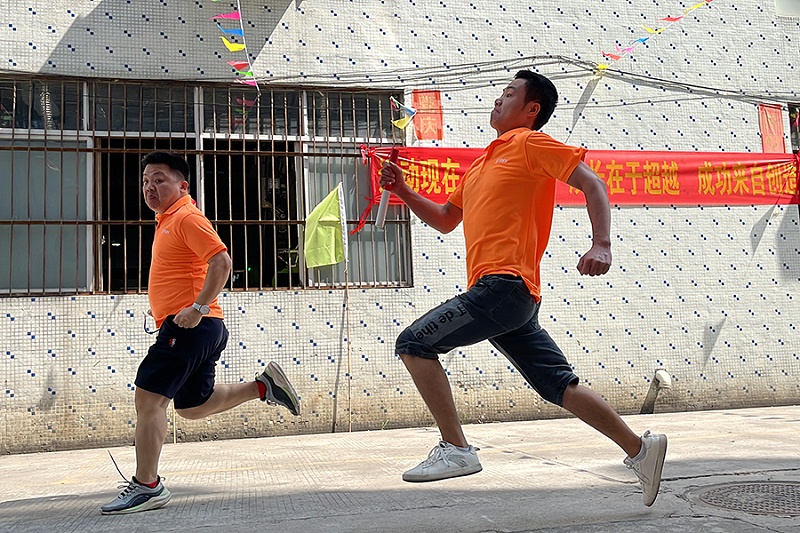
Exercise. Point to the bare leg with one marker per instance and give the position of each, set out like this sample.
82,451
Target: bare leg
151,429
595,411
223,398
433,386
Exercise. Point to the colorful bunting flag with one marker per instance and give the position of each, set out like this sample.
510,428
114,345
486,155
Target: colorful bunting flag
243,68
406,114
234,31
615,57
230,16
630,47
232,47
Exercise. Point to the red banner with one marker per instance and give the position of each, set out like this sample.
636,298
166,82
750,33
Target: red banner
770,122
632,178
428,122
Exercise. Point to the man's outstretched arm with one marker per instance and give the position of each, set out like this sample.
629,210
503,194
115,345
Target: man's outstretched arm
441,217
597,260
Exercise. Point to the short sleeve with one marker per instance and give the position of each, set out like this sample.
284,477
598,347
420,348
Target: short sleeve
457,197
549,157
201,238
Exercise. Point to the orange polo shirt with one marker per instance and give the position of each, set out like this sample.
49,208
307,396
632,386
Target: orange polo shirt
507,198
184,242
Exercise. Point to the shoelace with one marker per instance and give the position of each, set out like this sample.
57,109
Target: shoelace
126,484
436,454
632,466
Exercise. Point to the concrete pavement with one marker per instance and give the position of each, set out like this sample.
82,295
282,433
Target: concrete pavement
726,471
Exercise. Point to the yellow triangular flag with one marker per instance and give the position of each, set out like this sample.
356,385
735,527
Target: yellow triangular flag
324,238
232,47
403,122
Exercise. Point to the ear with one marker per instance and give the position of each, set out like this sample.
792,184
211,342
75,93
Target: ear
184,186
533,111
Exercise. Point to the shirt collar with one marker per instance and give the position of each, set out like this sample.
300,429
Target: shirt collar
516,131
510,134
185,200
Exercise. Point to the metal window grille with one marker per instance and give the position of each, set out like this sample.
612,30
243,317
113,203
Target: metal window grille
72,218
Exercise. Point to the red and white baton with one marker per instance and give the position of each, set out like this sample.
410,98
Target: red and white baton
380,218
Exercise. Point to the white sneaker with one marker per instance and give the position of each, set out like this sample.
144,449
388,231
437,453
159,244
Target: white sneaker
648,465
445,461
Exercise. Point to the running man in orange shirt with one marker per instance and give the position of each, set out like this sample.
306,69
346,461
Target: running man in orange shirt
190,267
506,202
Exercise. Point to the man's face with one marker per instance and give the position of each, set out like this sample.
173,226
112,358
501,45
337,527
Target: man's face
512,111
162,187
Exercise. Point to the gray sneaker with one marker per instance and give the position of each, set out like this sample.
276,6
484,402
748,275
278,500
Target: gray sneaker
137,497
445,461
648,465
279,390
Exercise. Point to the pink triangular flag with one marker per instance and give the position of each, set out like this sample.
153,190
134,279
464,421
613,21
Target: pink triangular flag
230,16
615,57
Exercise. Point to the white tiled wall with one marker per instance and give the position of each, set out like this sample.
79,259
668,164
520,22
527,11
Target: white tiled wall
707,293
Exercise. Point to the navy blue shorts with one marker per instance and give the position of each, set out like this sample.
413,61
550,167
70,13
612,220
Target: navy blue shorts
498,308
181,364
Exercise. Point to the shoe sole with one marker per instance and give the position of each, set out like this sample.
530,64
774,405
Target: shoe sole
153,503
280,379
421,478
659,468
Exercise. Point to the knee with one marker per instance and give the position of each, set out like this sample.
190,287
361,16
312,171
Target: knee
568,395
401,346
148,402
192,413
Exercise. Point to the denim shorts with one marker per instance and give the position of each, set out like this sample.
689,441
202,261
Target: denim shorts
498,308
181,364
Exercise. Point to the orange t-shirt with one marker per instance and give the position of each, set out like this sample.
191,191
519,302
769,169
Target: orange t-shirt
507,198
184,242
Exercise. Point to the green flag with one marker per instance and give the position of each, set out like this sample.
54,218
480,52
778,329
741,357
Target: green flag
325,240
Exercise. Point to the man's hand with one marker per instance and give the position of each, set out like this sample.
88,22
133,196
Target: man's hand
187,317
596,261
392,178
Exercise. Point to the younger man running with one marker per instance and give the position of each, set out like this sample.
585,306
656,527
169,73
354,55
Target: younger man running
506,202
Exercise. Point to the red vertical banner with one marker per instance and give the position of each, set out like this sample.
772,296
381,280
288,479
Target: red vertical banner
770,121
428,122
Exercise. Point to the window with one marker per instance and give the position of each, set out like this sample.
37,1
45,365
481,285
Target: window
43,217
45,190
72,215
794,127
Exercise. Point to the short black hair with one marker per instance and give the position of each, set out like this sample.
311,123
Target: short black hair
173,161
541,90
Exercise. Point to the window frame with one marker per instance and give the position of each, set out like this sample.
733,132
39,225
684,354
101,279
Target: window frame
199,143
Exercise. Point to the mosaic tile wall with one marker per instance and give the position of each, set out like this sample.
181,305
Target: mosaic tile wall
707,293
